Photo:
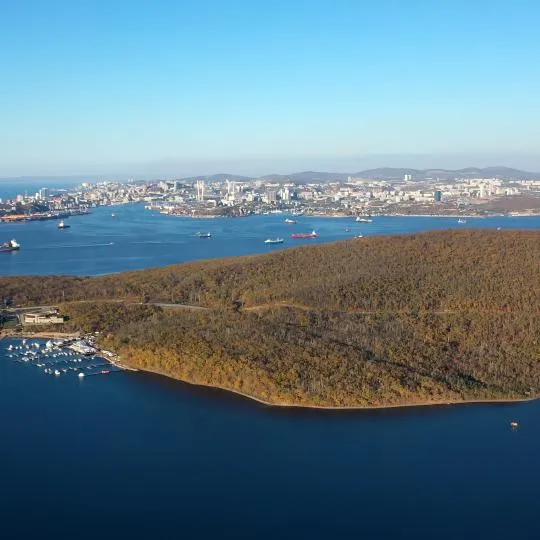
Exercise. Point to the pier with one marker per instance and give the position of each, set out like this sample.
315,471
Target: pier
73,355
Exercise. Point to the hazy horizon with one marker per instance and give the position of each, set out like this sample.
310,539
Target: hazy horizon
257,168
191,88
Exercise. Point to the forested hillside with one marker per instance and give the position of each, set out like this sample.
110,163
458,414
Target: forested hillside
440,316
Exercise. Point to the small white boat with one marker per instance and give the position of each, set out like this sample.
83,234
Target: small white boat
290,221
274,241
514,424
204,234
56,372
461,220
113,215
81,375
363,220
10,245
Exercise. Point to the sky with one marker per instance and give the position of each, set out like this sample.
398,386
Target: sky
254,87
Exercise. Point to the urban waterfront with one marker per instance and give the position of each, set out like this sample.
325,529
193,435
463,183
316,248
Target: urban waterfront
136,238
137,455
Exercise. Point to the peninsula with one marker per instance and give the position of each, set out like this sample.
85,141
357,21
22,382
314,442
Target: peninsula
438,317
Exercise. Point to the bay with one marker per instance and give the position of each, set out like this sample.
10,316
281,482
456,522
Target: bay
136,455
137,238
133,455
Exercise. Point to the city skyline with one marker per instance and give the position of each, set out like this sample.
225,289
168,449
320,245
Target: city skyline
199,88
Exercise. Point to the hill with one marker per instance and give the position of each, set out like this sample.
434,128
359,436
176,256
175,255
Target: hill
396,173
448,174
440,316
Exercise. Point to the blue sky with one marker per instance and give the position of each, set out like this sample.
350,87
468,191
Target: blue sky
191,87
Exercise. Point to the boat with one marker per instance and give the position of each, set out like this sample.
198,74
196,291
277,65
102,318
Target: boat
274,241
81,375
204,234
10,245
56,372
359,236
113,215
363,220
105,371
290,221
461,220
62,225
312,234
514,424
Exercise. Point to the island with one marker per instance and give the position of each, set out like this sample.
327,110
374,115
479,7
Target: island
438,317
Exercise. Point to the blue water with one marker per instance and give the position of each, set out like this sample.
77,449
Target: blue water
137,238
10,189
132,455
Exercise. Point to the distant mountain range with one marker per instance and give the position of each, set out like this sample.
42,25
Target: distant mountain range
469,172
383,173
316,177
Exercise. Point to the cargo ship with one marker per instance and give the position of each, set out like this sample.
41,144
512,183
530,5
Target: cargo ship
10,245
312,234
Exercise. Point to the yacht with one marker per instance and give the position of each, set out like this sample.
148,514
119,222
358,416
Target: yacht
290,221
10,245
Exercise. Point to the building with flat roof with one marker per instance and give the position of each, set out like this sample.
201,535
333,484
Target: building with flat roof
42,317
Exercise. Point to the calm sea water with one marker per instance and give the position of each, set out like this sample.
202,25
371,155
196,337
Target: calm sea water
133,455
137,238
10,189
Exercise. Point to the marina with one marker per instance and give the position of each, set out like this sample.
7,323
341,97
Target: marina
63,357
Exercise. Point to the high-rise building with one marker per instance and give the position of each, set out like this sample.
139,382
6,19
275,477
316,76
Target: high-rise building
43,194
200,190
437,196
271,195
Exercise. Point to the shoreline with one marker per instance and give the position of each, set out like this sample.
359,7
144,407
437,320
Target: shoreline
338,407
283,405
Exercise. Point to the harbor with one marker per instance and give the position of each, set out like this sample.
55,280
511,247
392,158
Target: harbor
69,356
